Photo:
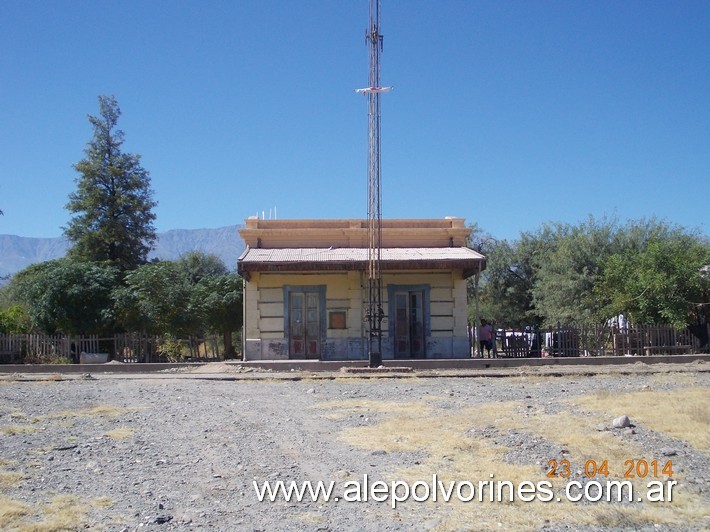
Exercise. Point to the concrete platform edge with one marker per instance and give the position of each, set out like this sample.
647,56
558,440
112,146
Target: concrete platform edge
334,366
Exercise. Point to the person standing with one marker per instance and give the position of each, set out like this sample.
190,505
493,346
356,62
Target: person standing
485,337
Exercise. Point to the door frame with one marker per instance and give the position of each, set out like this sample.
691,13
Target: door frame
392,289
317,289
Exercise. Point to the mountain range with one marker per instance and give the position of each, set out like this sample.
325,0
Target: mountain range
18,252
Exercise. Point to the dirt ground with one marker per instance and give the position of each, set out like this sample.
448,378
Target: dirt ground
184,450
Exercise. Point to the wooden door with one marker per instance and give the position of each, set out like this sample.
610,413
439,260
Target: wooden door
304,325
409,340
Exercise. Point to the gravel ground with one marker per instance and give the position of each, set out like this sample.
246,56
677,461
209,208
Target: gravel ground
175,453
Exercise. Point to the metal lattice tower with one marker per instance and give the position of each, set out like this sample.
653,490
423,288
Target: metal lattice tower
375,314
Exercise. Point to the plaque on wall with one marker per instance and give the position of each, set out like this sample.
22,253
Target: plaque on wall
336,319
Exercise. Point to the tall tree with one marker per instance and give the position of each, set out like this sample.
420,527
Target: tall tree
658,278
217,299
188,296
156,299
197,265
510,276
567,274
112,207
68,297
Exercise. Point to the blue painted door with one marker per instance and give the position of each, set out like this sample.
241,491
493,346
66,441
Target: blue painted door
304,325
409,340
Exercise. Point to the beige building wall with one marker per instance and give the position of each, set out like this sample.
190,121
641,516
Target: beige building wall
403,233
341,289
265,314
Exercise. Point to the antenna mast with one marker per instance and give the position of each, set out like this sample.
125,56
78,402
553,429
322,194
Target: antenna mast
375,314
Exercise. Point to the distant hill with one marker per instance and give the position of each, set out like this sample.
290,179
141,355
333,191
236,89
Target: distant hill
224,242
18,252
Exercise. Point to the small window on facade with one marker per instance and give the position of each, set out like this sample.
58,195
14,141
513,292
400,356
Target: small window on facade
336,319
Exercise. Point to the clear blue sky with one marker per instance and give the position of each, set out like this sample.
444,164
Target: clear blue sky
507,113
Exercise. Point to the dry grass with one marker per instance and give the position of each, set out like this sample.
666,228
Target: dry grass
102,502
9,479
121,433
454,453
62,513
108,411
676,379
618,517
100,410
682,413
13,430
18,416
12,512
21,417
64,424
310,519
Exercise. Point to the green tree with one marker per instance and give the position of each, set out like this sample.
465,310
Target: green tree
167,297
218,300
198,265
112,206
586,273
480,241
190,296
156,299
510,276
568,272
68,297
15,320
658,277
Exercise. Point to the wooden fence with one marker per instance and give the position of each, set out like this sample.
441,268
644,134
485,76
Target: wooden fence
603,340
129,347
558,342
